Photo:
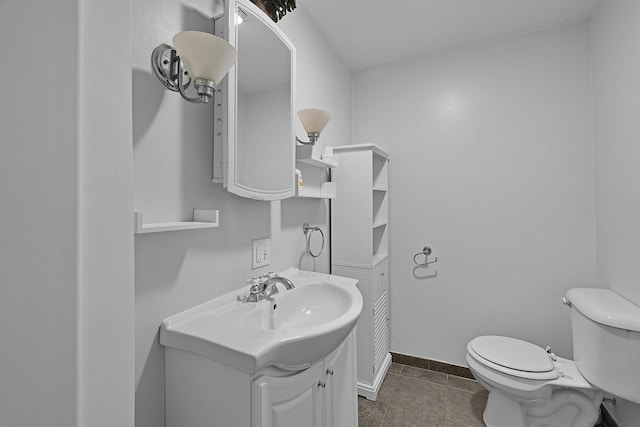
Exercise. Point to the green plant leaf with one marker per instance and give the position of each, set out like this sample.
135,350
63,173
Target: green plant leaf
277,8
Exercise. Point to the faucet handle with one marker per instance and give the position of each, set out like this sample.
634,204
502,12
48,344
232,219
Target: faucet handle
254,290
270,275
254,282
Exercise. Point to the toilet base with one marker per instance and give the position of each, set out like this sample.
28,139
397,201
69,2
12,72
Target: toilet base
567,408
564,408
502,411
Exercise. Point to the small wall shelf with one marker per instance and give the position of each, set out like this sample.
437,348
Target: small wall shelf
327,190
310,154
315,187
202,218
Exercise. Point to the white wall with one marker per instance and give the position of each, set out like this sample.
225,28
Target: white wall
105,287
66,305
615,37
492,166
38,164
172,154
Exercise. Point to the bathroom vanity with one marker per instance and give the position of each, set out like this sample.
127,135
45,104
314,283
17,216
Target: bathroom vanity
287,360
203,392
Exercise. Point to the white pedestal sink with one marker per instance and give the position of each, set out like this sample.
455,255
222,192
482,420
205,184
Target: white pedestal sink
291,330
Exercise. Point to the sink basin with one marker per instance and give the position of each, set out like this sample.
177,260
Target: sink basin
291,330
303,307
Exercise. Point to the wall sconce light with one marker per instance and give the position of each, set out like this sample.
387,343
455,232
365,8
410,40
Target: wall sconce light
201,57
314,121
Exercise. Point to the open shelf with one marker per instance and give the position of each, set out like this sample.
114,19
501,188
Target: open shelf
327,190
380,208
380,243
202,218
378,258
310,154
379,224
360,216
379,172
315,186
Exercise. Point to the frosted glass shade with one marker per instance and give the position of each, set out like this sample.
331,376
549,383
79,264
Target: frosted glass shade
314,120
204,55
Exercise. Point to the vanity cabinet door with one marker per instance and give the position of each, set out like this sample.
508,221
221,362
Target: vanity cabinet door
341,398
293,401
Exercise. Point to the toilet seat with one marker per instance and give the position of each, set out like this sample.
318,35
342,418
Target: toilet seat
513,357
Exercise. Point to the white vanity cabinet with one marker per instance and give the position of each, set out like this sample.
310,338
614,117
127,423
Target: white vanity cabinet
341,401
323,395
291,401
201,392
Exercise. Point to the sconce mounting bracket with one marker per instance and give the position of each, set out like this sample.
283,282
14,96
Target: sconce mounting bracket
164,62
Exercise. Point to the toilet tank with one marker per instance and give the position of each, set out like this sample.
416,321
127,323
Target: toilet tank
606,340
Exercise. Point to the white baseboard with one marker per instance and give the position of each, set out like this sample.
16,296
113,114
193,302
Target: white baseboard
370,391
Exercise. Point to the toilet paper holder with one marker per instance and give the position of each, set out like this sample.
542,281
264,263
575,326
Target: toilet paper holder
426,251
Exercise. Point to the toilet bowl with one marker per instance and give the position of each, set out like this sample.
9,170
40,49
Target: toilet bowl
531,387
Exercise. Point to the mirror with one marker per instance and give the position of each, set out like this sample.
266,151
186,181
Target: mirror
254,120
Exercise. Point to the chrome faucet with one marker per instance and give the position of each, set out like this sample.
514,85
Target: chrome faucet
264,286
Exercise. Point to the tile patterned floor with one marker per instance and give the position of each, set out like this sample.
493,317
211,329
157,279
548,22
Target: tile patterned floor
412,396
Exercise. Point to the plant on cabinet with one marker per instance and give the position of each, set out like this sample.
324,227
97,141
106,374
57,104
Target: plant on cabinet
275,9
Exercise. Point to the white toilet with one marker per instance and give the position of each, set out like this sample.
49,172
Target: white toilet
530,387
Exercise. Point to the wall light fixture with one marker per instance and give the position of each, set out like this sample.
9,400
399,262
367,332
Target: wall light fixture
201,57
314,121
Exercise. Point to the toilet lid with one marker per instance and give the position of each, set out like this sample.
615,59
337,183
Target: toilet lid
512,353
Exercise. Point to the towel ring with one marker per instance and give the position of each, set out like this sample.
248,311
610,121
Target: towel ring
308,230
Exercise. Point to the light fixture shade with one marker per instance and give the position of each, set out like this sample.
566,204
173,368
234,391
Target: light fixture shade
204,55
314,120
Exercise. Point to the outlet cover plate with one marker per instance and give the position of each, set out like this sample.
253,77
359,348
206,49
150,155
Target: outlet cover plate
260,253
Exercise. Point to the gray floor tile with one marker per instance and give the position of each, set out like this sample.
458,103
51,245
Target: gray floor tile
449,423
412,396
424,374
464,384
420,397
370,414
388,388
465,408
395,368
403,417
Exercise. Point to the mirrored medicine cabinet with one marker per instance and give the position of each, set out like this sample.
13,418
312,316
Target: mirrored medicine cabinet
254,140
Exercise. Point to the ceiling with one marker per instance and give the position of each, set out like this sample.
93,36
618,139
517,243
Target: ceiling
369,33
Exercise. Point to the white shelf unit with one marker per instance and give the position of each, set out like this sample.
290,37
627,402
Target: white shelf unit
359,249
309,160
202,218
311,155
361,213
327,190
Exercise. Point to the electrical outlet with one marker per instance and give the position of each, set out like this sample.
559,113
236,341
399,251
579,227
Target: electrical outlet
260,253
